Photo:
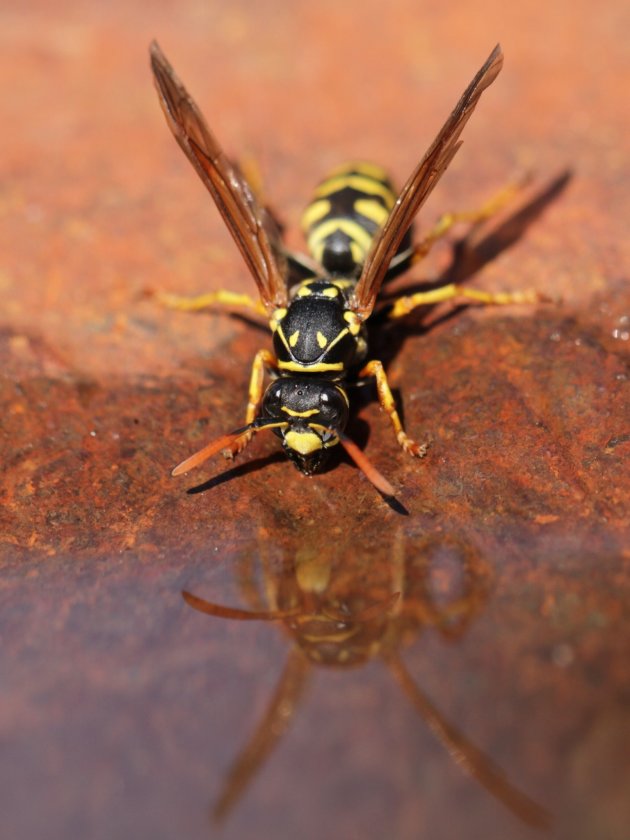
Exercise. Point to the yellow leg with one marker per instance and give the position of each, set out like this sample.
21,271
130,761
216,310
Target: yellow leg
262,359
443,225
386,400
229,300
404,305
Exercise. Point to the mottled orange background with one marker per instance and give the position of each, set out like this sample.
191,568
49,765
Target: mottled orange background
121,709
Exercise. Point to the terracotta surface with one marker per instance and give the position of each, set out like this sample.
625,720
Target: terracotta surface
503,590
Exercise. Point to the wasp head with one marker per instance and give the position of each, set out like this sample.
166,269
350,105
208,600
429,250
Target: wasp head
313,414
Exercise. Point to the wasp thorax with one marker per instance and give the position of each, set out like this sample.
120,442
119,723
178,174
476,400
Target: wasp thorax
313,332
313,413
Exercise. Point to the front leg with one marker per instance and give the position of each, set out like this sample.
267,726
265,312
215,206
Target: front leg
231,301
263,359
386,400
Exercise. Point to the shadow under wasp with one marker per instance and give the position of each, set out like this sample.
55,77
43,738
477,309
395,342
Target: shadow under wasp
358,232
340,610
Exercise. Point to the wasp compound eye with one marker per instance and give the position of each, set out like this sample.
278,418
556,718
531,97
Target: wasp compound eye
273,398
333,408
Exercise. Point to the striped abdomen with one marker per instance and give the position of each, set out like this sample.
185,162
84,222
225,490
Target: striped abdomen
347,210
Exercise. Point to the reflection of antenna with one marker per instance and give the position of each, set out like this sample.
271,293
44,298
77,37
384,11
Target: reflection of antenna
369,613
467,755
236,614
268,732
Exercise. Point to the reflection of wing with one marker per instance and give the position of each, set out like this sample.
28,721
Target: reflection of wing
418,187
253,229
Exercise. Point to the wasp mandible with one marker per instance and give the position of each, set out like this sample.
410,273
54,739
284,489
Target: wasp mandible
358,233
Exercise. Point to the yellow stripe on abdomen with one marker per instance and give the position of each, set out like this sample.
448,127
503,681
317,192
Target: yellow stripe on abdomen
315,212
348,209
361,167
360,239
372,210
360,183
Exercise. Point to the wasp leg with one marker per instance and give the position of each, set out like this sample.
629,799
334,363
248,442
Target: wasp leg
404,305
443,225
386,400
262,359
232,301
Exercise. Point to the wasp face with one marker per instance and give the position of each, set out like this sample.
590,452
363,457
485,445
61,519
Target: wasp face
314,411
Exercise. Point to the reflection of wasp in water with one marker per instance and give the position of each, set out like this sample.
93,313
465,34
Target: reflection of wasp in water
358,233
343,617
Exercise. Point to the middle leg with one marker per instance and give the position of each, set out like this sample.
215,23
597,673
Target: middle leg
404,305
386,400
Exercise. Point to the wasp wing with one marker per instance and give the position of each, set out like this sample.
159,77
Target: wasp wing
253,228
418,187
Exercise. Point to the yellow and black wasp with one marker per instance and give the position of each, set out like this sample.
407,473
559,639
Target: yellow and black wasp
358,234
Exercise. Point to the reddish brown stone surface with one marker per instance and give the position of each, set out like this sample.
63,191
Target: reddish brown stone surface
121,709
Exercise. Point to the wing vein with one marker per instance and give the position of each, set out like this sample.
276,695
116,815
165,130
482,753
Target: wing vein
251,225
419,186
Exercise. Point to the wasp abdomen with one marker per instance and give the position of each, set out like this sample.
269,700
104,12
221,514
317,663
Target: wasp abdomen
348,209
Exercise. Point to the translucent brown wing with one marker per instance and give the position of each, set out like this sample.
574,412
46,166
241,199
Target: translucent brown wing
418,187
253,228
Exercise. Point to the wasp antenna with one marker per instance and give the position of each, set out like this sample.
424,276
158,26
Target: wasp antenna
208,451
369,471
222,443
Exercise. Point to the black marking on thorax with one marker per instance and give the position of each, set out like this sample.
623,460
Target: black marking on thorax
318,333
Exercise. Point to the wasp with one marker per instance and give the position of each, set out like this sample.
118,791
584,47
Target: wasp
358,233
